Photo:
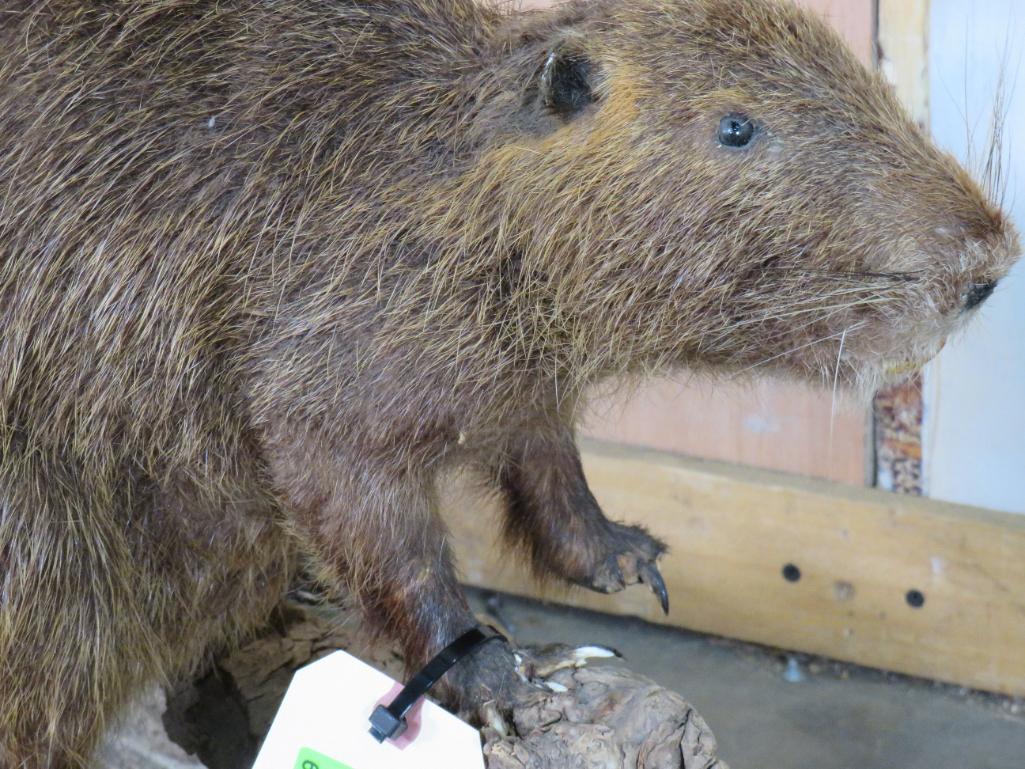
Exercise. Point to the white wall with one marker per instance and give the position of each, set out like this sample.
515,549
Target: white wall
974,439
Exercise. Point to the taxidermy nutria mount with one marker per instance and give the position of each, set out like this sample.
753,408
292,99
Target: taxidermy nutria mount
267,268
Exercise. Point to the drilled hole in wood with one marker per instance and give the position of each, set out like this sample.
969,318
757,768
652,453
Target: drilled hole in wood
915,599
791,573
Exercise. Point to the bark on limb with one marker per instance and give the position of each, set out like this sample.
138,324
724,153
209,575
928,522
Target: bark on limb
597,716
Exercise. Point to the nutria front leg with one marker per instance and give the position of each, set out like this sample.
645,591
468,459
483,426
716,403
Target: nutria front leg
551,511
372,530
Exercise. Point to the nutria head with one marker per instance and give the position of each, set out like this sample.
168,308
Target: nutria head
720,184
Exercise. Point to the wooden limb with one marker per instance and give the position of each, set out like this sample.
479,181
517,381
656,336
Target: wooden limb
607,717
603,716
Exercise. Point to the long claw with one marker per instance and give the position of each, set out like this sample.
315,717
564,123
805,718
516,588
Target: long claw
544,662
650,576
582,654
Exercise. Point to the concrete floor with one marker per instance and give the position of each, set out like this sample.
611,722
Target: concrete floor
835,717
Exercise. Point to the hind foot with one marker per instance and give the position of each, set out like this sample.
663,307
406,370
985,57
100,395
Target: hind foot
498,681
488,685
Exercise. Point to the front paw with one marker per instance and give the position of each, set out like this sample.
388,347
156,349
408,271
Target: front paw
627,555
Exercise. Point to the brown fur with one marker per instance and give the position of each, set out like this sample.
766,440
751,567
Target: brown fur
267,268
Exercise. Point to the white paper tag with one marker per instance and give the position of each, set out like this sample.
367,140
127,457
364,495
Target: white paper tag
324,723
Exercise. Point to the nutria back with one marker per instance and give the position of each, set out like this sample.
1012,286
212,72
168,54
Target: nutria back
160,169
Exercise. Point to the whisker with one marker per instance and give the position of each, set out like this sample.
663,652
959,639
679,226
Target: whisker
903,277
832,405
786,352
827,311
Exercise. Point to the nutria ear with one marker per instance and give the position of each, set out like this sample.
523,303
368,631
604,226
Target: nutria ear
566,83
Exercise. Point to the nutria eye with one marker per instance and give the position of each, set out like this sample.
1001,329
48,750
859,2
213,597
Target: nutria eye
736,131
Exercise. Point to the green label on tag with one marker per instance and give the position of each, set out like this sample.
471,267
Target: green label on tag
311,759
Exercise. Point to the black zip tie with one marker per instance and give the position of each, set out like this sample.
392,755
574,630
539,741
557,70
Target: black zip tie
388,722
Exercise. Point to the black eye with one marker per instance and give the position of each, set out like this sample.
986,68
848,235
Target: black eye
736,131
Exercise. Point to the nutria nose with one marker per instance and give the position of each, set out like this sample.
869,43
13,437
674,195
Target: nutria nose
978,293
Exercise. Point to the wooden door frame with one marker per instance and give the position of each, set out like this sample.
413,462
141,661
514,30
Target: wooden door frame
895,437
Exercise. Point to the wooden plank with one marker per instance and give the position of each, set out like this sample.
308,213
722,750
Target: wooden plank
854,19
860,552
781,426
